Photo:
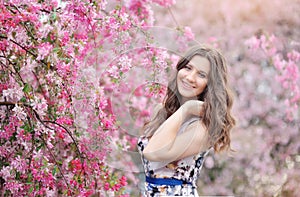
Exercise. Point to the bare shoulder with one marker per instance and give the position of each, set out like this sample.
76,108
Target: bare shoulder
197,125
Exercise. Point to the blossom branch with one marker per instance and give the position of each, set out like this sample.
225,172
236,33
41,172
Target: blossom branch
24,48
57,164
69,133
46,121
14,71
45,125
40,85
173,17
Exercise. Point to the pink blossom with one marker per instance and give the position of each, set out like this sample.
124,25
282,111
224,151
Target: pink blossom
174,59
114,71
66,38
165,3
116,187
80,36
63,69
125,195
188,33
143,11
106,186
107,123
3,44
3,87
19,112
5,173
278,62
45,29
19,164
76,165
123,15
39,104
13,94
294,55
125,63
145,113
13,186
253,42
60,133
3,149
44,50
64,120
123,181
25,136
103,103
10,128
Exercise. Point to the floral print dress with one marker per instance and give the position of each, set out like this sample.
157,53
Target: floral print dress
186,169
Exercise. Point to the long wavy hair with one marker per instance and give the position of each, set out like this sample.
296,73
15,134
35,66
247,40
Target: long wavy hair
217,98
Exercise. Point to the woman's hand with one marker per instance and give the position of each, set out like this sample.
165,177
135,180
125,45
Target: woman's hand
193,107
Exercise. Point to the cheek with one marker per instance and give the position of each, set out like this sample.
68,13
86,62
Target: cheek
180,73
202,83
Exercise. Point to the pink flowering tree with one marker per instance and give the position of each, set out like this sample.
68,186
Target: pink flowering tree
61,63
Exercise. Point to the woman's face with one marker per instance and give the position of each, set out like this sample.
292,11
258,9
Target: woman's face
192,78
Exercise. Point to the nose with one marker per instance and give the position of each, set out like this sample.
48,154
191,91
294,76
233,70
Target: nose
190,77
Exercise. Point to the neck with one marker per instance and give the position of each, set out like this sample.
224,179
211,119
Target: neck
184,99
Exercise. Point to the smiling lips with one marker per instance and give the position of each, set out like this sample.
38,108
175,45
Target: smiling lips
187,85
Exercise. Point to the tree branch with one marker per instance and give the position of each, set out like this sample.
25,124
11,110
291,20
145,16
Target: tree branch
46,121
173,17
52,155
43,123
24,48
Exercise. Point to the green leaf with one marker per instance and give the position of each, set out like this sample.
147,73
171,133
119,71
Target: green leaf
56,49
40,146
67,60
23,99
27,128
37,187
29,178
31,189
27,88
54,16
59,162
18,175
45,162
54,170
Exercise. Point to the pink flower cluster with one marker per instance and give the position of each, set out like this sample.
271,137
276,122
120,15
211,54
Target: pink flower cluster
287,69
165,3
116,185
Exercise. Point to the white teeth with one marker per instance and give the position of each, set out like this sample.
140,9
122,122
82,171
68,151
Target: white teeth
187,85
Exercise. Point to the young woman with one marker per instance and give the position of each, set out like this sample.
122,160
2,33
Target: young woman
194,117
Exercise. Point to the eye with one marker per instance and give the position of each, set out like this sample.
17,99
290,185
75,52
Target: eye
187,67
202,75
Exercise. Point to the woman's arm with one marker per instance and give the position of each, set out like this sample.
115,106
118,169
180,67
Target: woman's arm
166,145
